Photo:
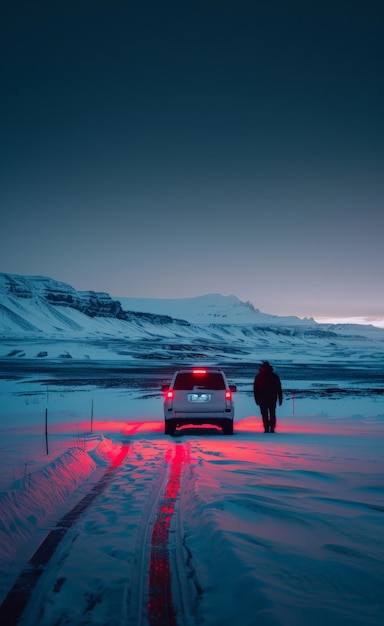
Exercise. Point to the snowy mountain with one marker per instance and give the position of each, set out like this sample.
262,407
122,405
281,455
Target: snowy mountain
41,317
46,291
210,309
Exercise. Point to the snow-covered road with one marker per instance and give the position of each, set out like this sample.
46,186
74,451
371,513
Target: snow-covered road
206,529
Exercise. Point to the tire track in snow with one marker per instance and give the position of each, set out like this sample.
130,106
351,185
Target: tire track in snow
18,597
161,606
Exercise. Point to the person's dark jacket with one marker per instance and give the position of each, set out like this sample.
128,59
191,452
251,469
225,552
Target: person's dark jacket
267,387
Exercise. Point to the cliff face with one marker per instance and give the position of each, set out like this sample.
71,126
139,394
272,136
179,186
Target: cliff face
90,303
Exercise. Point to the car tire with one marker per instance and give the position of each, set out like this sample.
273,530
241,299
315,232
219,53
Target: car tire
227,426
169,427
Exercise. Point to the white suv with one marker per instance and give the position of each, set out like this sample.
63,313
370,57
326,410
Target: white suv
198,396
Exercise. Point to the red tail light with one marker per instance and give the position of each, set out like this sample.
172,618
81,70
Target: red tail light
228,395
200,371
170,395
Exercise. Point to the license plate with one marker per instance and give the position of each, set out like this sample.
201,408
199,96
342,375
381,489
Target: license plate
199,397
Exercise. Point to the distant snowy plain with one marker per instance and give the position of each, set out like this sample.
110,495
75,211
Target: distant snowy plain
267,530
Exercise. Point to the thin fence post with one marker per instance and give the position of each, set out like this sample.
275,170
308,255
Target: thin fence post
46,430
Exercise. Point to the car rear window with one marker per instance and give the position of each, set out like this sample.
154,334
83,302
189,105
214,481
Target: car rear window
187,381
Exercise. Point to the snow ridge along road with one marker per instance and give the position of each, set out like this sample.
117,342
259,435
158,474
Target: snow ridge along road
17,599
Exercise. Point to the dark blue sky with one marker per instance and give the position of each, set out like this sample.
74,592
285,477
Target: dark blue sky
173,149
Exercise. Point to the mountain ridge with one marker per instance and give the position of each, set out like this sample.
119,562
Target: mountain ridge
206,309
210,308
43,317
56,293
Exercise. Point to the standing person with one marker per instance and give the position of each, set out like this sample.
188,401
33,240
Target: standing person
267,390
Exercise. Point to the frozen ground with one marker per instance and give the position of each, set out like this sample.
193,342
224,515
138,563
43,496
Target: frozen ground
272,530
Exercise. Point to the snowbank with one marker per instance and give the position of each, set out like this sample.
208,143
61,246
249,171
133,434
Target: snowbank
37,497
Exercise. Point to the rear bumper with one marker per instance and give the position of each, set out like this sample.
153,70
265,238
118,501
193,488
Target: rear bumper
198,420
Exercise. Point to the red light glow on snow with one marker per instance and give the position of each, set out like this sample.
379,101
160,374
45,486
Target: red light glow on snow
160,604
